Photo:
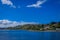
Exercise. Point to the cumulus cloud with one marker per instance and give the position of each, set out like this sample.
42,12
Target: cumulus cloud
8,2
37,5
8,23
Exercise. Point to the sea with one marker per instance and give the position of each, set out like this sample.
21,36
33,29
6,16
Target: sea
28,35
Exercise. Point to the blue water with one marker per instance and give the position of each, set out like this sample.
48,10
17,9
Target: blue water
27,35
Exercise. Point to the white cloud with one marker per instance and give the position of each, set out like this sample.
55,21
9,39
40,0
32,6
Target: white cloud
8,2
37,5
8,23
23,23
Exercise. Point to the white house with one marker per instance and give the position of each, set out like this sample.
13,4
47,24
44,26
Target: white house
57,28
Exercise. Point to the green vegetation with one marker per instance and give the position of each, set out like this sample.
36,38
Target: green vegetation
40,27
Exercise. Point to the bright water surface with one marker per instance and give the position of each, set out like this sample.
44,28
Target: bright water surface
28,35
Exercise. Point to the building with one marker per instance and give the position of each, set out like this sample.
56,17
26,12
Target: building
57,28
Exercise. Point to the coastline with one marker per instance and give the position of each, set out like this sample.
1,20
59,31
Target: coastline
31,30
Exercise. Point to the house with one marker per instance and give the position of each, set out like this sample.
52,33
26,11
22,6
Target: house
46,27
57,28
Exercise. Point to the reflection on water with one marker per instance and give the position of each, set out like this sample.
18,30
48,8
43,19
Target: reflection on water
27,35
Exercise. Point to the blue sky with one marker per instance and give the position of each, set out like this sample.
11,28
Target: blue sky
23,10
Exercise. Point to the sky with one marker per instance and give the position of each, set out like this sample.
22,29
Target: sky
30,11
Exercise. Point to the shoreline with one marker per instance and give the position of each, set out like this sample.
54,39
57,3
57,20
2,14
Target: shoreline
31,30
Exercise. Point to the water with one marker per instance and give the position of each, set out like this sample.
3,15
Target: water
27,35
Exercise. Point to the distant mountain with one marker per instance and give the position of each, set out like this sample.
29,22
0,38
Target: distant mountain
50,26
